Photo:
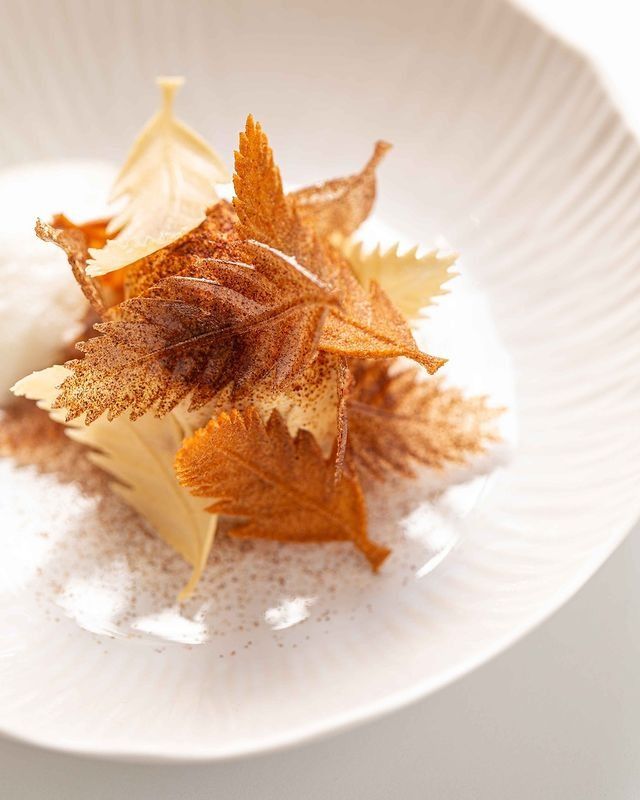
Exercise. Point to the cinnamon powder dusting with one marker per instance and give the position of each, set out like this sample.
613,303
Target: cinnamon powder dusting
114,552
272,357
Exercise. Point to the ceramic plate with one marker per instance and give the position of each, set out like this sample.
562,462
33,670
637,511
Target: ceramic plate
507,147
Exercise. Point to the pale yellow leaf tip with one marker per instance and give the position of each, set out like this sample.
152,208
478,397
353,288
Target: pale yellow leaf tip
167,183
198,567
170,83
169,87
41,385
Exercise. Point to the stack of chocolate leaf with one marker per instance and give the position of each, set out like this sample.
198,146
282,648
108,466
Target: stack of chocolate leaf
256,340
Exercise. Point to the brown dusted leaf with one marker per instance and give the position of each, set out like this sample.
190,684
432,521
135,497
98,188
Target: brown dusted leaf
341,205
264,212
343,384
94,230
365,324
74,244
94,235
314,401
282,486
397,421
207,240
111,285
247,318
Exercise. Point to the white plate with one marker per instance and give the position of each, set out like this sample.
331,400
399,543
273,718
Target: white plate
506,145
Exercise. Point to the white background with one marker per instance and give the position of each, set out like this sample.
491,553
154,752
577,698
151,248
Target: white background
557,716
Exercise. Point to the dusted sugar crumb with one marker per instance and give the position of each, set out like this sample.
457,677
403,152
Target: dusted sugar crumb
101,567
245,379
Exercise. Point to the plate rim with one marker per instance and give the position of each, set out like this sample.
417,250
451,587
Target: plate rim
338,723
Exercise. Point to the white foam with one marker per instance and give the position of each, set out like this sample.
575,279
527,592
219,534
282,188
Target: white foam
40,303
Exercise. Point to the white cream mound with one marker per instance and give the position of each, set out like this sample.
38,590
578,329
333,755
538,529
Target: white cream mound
40,303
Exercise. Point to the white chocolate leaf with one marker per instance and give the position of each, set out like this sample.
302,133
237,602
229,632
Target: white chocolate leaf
140,456
167,183
410,281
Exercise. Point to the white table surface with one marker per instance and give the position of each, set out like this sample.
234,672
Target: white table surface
557,716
